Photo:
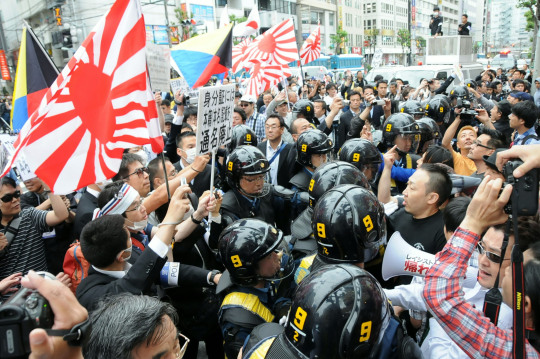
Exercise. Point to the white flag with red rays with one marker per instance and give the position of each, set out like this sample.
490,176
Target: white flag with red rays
311,49
100,104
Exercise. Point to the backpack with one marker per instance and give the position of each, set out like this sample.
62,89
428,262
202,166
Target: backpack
75,265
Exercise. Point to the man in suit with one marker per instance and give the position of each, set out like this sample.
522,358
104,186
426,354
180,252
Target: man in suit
86,206
106,245
281,155
186,142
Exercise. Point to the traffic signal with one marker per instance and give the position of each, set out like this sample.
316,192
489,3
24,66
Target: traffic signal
66,38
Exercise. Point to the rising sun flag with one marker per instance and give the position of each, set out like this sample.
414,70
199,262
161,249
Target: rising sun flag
203,56
100,104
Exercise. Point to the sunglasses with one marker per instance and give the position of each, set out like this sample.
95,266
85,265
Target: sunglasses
139,172
244,104
495,258
9,197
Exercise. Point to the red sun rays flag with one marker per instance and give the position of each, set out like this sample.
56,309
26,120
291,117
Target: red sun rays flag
238,52
263,76
311,49
100,104
276,45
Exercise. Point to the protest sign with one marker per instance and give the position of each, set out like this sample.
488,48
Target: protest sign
7,150
158,59
214,120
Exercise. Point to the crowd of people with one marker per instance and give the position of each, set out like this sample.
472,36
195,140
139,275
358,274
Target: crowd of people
284,256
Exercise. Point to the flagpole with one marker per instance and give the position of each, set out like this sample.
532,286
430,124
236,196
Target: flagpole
31,32
300,62
212,186
165,176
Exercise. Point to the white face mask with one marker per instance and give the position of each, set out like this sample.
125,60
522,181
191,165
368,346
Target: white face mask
188,213
190,155
102,185
144,156
138,225
130,250
436,13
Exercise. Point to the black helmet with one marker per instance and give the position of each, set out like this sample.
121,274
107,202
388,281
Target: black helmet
413,108
242,135
470,83
337,312
246,161
459,92
305,108
333,174
349,225
312,142
363,154
244,243
429,133
401,124
438,109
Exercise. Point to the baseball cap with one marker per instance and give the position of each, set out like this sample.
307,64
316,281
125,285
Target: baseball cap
522,96
281,102
537,79
248,98
169,118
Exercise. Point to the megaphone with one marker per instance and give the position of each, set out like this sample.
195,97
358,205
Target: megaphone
400,258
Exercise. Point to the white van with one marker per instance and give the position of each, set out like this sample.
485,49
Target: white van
414,74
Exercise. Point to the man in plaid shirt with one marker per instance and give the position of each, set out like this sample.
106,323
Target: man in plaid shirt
255,120
468,327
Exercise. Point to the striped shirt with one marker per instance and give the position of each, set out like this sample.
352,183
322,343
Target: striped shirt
467,327
26,251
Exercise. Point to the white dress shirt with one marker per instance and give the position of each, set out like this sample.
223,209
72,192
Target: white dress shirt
274,165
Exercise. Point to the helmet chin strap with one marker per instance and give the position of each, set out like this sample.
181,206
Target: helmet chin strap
400,152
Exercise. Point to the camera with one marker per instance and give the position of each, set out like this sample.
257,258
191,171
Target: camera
346,102
467,114
524,192
378,103
19,315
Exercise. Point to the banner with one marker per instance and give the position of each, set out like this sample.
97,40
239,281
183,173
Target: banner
4,66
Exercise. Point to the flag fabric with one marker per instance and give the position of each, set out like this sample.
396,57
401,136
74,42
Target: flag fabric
238,52
100,104
224,19
311,49
249,27
263,76
35,73
203,56
276,46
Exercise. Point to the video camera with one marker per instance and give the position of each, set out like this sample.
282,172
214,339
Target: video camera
19,315
467,115
524,192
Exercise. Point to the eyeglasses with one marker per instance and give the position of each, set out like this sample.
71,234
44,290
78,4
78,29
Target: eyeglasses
254,179
173,173
139,172
181,349
273,127
9,197
495,258
244,104
476,143
137,207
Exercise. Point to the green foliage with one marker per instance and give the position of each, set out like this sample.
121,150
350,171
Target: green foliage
236,20
338,39
404,38
530,21
420,42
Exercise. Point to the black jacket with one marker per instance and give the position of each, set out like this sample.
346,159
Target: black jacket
287,160
201,182
436,25
84,213
464,29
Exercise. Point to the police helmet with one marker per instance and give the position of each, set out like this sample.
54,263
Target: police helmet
333,174
401,124
429,133
246,161
312,142
337,312
242,135
459,92
470,83
349,225
413,108
244,243
364,155
438,108
305,108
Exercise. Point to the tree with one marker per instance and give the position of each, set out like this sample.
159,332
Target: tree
371,37
404,39
236,20
533,20
338,39
420,44
188,30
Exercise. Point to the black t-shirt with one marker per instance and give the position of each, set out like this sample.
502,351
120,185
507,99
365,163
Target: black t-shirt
463,29
426,234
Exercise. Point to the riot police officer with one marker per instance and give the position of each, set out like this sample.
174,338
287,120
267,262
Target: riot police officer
429,134
257,260
413,108
364,155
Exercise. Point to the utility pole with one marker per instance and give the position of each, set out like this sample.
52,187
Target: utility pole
409,28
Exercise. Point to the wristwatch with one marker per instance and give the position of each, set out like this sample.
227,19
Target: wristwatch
213,275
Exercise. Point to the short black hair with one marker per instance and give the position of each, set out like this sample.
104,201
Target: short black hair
154,167
322,102
467,16
381,82
454,212
280,119
354,93
330,86
190,111
102,239
127,159
8,181
439,181
438,154
166,103
526,111
378,78
519,81
496,138
369,88
183,135
241,112
528,229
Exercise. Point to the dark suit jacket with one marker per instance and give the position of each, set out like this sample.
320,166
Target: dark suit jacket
201,182
84,213
170,145
287,159
376,117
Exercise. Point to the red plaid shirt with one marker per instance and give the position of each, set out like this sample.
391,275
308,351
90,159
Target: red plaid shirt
467,327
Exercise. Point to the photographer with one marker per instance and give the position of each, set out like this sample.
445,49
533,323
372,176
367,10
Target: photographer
435,24
522,120
443,295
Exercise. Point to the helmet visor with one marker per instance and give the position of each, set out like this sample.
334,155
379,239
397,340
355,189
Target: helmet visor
254,186
278,264
407,143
